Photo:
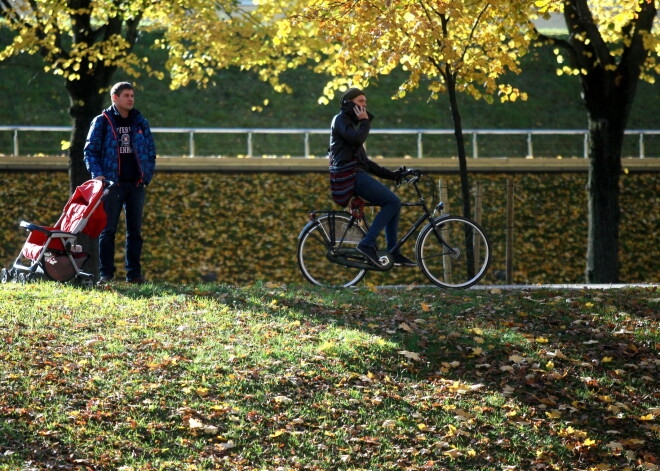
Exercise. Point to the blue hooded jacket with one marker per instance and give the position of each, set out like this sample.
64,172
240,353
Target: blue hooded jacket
101,151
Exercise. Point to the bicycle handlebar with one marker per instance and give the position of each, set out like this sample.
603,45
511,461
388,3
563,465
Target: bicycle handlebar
414,173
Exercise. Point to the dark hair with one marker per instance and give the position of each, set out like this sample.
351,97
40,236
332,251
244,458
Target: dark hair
119,87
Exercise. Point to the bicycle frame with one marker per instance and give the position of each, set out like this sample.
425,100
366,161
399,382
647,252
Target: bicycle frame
424,217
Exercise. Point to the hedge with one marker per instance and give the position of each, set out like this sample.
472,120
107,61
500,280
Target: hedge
243,227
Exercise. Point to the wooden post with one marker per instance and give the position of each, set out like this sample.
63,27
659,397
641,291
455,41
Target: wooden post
509,231
442,193
477,218
446,259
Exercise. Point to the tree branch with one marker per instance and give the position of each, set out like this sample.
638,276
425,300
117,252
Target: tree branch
633,55
581,23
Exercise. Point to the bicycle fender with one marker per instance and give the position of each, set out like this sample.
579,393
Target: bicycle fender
315,221
306,228
431,221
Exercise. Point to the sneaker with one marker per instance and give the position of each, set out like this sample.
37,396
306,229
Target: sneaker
369,252
401,260
137,281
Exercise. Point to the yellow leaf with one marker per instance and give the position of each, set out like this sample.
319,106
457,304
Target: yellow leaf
203,391
283,399
607,359
647,417
425,307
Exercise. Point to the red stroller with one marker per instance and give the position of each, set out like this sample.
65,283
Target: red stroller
52,251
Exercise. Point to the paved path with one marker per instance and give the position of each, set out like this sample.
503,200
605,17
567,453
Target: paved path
576,286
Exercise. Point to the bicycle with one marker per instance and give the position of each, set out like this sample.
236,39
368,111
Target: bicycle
452,251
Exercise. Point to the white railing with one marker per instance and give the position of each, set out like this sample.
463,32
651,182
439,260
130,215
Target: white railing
472,134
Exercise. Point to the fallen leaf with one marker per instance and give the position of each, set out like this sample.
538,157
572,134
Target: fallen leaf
411,355
283,399
194,423
406,327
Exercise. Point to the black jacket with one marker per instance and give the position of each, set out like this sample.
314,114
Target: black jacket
347,137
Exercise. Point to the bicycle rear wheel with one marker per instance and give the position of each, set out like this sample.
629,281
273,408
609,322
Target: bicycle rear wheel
314,244
459,257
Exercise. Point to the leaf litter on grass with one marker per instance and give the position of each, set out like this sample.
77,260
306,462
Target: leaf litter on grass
270,376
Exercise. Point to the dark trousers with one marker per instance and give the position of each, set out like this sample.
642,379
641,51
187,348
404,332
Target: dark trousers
129,197
370,189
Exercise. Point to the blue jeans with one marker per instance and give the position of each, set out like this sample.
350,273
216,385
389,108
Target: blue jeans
370,189
130,197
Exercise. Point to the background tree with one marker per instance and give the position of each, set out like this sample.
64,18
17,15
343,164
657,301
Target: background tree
449,46
611,47
87,41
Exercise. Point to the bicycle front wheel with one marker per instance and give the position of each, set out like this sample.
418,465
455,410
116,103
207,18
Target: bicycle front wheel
453,252
313,247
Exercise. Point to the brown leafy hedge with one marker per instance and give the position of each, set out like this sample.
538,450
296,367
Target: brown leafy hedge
243,227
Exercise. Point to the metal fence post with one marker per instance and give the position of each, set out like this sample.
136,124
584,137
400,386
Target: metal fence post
509,232
191,144
15,142
586,145
249,144
530,149
420,151
641,145
306,145
475,147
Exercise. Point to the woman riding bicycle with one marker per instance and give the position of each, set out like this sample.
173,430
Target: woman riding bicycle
349,175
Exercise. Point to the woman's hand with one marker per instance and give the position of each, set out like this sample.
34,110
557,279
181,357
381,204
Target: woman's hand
361,112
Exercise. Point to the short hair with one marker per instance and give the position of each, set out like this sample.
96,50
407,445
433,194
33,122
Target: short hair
119,87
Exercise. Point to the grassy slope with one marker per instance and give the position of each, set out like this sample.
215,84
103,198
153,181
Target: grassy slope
268,376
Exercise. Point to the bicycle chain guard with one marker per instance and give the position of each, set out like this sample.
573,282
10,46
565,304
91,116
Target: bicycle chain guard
352,258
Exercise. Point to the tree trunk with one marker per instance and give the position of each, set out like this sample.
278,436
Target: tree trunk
604,210
462,164
460,144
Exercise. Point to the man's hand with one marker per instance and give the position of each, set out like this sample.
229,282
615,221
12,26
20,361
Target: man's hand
361,112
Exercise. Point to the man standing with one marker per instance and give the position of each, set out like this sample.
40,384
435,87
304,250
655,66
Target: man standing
120,148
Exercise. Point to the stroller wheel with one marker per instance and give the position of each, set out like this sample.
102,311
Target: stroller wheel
22,278
5,276
86,281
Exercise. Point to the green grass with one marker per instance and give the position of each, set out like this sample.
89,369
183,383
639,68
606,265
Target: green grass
287,377
554,103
